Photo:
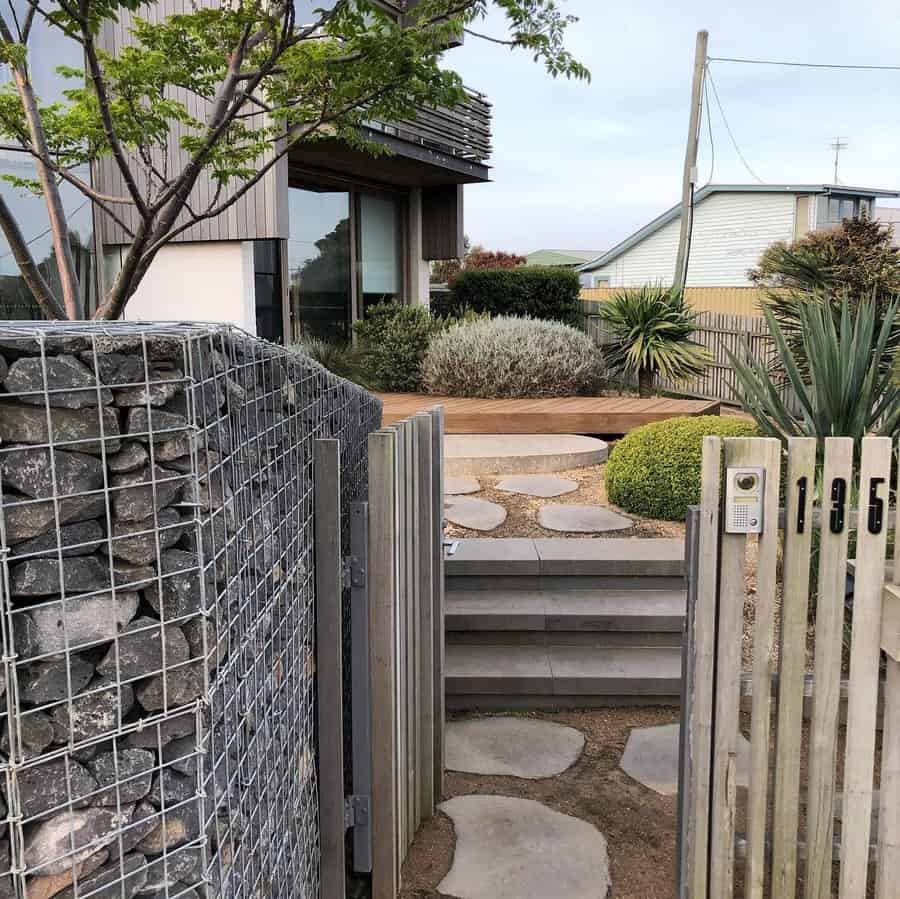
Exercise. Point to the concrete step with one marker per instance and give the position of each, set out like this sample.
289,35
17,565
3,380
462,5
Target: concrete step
528,676
609,558
559,611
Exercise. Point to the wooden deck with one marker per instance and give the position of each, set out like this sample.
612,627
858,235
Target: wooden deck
566,415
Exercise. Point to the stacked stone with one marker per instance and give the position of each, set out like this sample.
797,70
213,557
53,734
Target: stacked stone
156,509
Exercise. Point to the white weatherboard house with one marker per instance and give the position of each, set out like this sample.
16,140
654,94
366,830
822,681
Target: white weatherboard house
733,224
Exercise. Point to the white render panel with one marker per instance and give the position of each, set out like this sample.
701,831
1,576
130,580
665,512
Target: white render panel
206,281
731,230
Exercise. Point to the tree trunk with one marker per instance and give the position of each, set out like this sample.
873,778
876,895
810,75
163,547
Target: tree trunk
645,382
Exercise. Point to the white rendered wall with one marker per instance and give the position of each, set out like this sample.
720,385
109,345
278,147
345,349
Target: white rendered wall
208,281
729,235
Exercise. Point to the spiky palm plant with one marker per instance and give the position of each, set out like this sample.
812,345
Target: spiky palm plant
651,327
341,359
847,388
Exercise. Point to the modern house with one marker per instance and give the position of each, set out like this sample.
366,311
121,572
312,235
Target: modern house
733,224
329,230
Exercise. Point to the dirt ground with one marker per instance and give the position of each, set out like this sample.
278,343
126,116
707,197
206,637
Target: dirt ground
521,519
639,824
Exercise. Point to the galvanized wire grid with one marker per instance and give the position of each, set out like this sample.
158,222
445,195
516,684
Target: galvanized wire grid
157,511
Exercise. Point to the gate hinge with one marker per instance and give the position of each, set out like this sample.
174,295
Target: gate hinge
353,571
356,811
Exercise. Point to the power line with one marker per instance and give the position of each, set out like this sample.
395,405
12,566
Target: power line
802,65
728,127
712,145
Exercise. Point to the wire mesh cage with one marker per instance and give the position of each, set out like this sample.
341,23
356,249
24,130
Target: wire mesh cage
158,678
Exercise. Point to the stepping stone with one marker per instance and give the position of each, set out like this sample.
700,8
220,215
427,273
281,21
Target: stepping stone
519,849
651,758
538,485
518,747
581,519
476,514
458,486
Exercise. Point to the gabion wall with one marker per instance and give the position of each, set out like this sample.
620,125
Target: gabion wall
158,679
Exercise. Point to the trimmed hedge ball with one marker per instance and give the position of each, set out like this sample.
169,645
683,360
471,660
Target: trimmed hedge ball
654,471
512,357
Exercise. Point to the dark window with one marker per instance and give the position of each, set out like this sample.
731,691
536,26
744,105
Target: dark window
267,274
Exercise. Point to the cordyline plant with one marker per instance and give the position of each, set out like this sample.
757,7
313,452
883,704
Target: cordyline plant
847,388
264,81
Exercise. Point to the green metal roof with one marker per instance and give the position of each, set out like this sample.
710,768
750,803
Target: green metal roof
675,212
561,257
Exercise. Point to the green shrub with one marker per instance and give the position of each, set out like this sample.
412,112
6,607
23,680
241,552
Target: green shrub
341,359
393,339
512,357
655,470
544,292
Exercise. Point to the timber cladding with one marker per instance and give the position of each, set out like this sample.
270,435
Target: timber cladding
726,300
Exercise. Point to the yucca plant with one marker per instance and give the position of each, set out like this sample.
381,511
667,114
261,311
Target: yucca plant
847,388
341,359
651,327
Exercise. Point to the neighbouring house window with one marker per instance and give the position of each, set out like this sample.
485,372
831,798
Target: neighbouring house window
840,208
267,289
319,253
379,249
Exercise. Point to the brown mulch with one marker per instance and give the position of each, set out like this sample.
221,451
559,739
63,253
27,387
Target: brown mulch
521,519
639,824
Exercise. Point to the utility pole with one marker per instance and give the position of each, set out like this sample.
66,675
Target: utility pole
690,159
838,145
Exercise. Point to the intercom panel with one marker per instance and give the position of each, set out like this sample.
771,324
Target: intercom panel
744,489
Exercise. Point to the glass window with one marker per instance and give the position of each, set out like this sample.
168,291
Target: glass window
379,255
834,209
267,284
319,263
865,210
846,209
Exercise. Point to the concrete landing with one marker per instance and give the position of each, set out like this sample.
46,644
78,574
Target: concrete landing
651,758
475,454
517,747
510,848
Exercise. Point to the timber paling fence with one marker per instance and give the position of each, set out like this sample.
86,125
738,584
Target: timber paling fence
820,816
168,712
720,333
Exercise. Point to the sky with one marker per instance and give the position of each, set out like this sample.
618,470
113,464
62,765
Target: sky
581,166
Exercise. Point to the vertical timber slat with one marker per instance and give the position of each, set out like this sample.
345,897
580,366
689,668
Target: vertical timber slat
699,737
829,636
329,666
859,766
437,538
382,564
425,636
403,705
801,477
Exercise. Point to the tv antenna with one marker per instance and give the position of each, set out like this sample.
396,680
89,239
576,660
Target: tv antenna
838,145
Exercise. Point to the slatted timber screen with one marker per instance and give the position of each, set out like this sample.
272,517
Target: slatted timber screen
720,333
726,300
406,637
817,812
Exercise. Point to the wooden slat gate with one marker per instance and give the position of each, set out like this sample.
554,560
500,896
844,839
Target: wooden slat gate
820,815
406,629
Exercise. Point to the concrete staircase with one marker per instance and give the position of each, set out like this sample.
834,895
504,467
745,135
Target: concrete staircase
551,623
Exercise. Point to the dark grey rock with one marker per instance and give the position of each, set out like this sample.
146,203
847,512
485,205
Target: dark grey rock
26,518
82,620
72,385
45,682
4,827
133,497
180,889
143,821
176,827
136,541
98,710
176,788
181,866
163,386
193,631
40,577
28,424
182,685
131,769
36,732
157,424
161,733
127,574
24,635
115,369
32,470
53,785
180,586
79,539
121,878
176,448
181,755
71,837
140,650
132,456
208,399
7,886
4,369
